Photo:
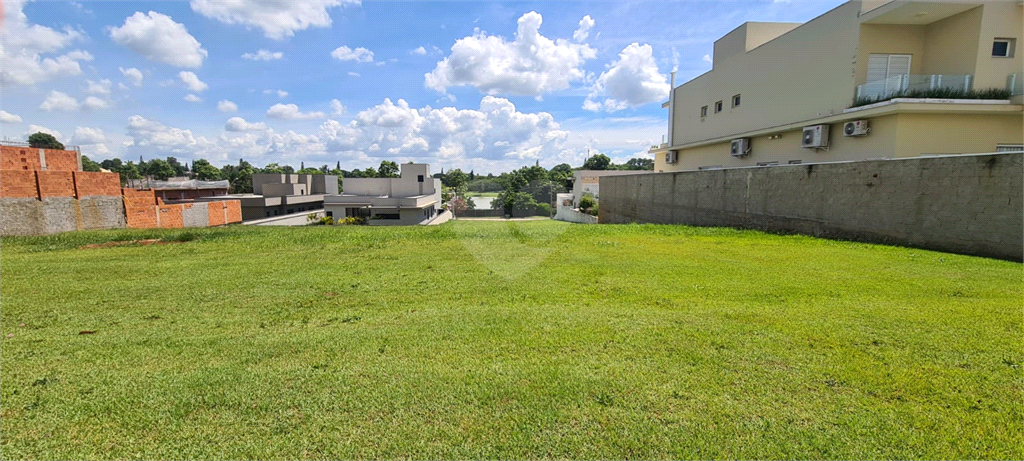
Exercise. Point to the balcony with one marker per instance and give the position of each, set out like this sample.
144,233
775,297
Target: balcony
906,84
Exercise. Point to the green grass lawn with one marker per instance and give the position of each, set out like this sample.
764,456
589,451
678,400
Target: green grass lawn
482,194
504,340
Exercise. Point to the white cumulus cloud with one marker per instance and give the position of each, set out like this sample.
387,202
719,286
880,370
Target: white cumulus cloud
193,98
192,82
7,117
132,74
633,80
280,93
291,112
158,38
88,136
100,87
24,48
239,124
532,64
226,106
337,109
420,51
497,131
263,55
277,18
345,53
58,101
583,31
94,103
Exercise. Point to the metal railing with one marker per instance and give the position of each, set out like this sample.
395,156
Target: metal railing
906,83
1015,83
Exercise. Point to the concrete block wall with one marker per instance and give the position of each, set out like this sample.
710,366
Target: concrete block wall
101,212
195,215
970,204
37,202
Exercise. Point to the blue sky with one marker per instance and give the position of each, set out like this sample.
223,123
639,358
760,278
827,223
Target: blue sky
487,86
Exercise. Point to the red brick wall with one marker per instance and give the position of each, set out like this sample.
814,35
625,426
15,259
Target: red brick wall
142,217
234,211
134,197
170,216
215,210
96,183
56,183
18,184
19,158
62,160
27,158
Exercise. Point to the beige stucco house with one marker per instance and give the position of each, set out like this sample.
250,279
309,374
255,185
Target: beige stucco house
413,198
782,93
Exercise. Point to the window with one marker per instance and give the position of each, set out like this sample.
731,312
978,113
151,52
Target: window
718,107
768,164
704,111
736,101
419,178
795,162
1003,47
1009,148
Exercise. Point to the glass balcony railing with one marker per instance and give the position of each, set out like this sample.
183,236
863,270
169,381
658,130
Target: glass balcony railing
900,84
1015,83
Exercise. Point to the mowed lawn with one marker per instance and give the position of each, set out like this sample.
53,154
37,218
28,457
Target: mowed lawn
504,340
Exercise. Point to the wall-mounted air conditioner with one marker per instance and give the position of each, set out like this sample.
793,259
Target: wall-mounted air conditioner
856,128
740,147
671,157
815,137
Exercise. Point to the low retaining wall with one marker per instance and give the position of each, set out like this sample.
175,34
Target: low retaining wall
50,215
970,204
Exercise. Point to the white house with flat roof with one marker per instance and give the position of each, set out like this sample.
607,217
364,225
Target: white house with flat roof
414,198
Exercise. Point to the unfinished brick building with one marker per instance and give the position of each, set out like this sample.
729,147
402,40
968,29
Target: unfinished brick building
45,191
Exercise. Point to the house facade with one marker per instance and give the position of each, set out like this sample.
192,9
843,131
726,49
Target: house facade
413,198
866,80
282,194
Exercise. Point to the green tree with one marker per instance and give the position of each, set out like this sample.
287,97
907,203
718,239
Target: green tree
455,178
159,169
561,174
41,140
370,172
204,171
309,170
597,162
113,164
272,168
179,169
89,165
639,164
128,171
387,169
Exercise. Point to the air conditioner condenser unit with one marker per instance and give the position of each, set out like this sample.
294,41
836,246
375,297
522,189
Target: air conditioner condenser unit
740,147
856,128
815,137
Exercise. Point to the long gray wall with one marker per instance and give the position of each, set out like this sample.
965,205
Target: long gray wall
970,204
30,216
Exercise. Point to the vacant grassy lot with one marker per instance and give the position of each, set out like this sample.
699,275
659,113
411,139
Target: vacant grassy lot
504,340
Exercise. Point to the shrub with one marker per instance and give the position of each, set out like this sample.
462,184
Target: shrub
543,209
352,221
587,202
